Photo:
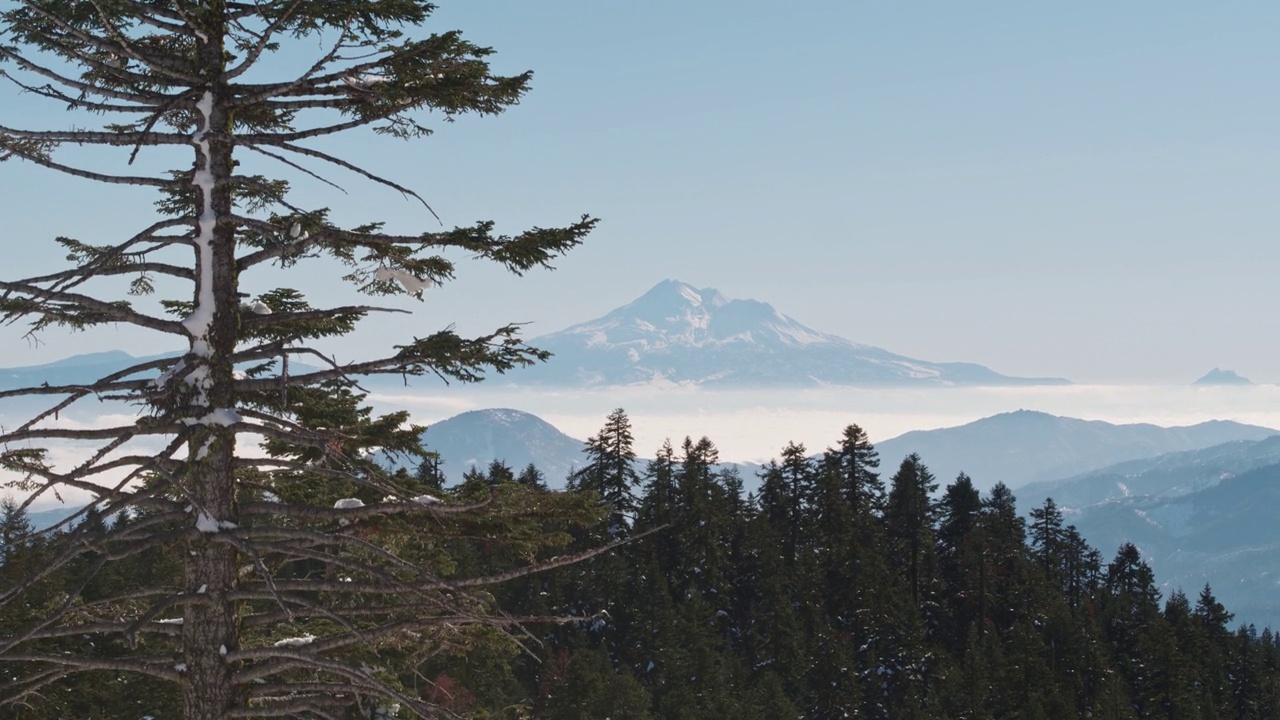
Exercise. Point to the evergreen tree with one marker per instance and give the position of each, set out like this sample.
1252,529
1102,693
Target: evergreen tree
532,477
910,519
1212,619
610,470
659,500
300,572
784,489
498,473
771,635
1081,568
1135,627
703,527
961,555
1211,614
1004,532
1048,537
959,509
831,530
15,529
1245,674
428,473
857,459
856,587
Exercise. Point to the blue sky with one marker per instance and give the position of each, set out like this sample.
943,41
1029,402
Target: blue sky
1084,190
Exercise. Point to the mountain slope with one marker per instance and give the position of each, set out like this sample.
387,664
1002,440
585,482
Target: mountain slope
1166,476
676,333
1225,535
1022,447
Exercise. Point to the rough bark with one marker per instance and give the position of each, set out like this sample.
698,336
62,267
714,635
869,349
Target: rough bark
209,628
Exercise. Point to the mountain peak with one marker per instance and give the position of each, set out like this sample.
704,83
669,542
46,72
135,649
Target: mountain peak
675,314
516,438
500,416
672,294
678,333
1218,376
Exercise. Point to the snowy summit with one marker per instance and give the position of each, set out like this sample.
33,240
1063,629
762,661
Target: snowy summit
677,333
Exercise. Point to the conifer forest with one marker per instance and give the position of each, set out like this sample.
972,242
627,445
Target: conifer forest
239,546
840,589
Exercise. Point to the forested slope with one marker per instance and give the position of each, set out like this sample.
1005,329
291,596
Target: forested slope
842,589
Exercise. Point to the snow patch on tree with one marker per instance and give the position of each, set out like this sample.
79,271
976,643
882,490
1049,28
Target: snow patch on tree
410,282
206,523
298,641
201,317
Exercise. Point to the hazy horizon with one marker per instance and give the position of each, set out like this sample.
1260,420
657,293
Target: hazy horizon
754,426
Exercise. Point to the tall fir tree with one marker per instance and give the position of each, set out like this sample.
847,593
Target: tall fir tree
610,471
297,574
961,555
910,517
784,490
1048,538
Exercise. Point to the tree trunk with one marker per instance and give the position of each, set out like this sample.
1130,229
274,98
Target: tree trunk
209,628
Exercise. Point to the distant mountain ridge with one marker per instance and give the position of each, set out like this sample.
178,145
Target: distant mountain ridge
89,367
676,333
73,370
1002,448
1025,446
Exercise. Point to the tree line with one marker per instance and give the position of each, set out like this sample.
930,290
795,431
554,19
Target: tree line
836,590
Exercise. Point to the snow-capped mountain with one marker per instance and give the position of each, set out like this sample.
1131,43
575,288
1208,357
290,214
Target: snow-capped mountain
676,333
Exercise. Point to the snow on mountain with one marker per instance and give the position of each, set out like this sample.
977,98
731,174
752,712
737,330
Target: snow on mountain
676,333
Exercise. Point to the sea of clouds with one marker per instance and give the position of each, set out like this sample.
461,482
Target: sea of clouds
754,425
